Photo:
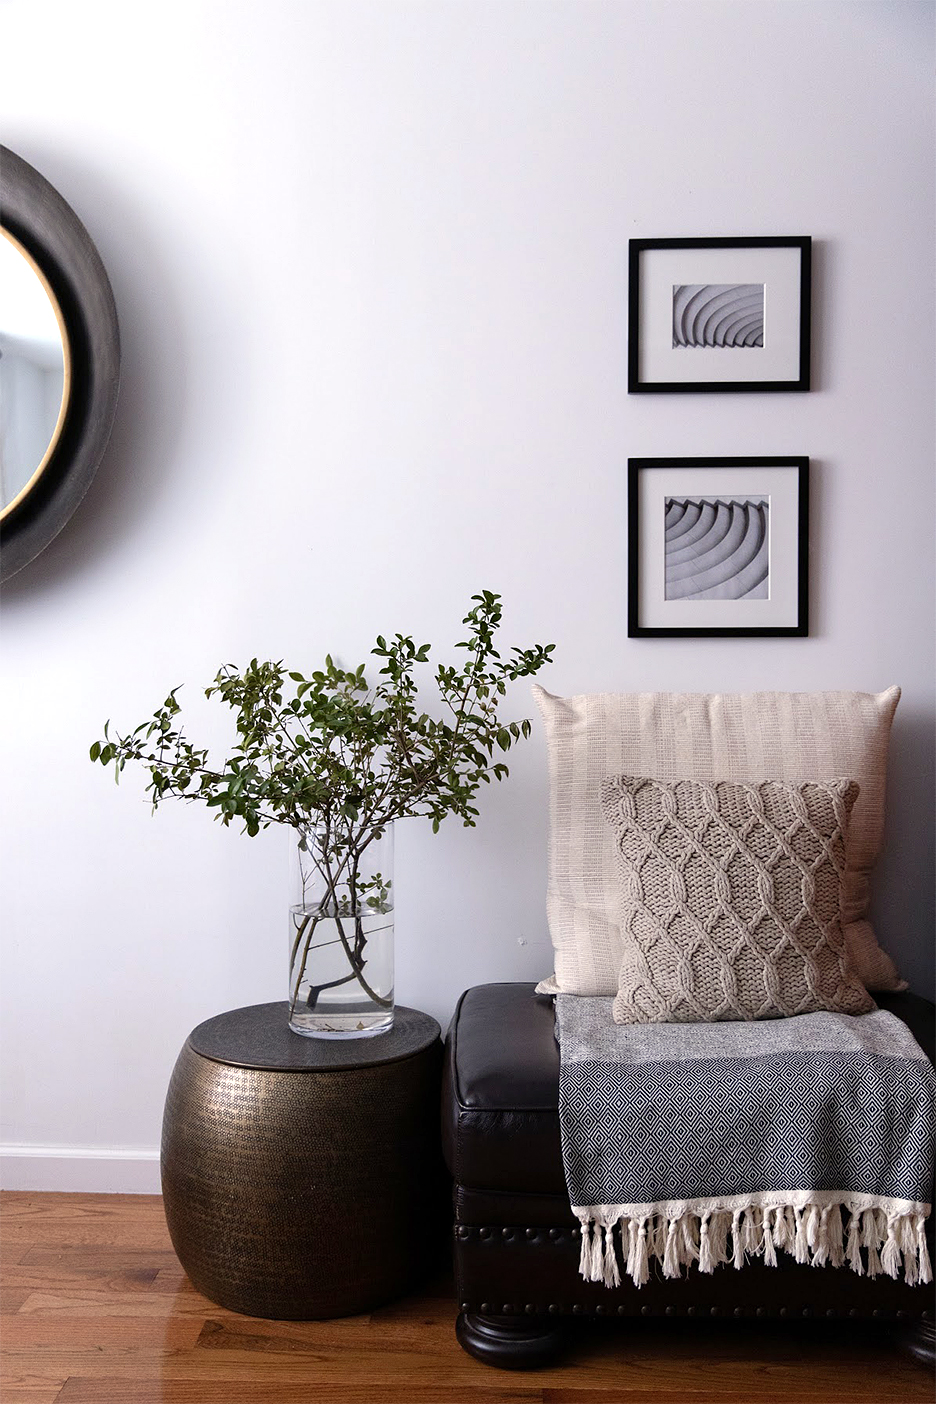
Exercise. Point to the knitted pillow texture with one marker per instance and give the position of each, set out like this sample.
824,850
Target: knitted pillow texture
736,736
731,899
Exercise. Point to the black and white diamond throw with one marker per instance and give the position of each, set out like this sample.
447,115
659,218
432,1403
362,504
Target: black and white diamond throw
707,1143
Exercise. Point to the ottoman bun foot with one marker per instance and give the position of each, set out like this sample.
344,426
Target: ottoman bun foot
509,1342
919,1340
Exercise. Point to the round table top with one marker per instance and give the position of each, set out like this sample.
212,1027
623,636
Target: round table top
259,1036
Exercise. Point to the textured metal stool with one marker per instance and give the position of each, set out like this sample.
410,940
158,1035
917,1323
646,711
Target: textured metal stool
301,1177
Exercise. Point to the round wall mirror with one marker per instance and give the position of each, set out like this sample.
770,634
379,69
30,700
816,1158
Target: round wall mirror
59,362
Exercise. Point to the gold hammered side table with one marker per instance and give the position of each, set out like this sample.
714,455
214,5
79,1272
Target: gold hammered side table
303,1178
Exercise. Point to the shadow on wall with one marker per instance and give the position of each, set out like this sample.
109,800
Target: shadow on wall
904,910
820,321
152,402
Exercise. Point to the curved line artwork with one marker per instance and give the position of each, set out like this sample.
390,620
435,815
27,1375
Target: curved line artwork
717,548
718,314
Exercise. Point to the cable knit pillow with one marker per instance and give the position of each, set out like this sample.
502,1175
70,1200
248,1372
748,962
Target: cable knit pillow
735,736
731,899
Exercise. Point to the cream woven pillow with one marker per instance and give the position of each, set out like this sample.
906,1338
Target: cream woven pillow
730,899
700,736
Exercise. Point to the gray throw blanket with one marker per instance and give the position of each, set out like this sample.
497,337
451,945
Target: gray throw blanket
705,1143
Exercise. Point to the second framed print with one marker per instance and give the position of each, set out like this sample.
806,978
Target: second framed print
719,314
718,547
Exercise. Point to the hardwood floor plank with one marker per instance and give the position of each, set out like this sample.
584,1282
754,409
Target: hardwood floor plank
12,1298
883,1392
94,1258
59,1280
18,1238
25,1335
35,1204
282,1337
44,1395
494,1389
229,1331
88,1300
30,1387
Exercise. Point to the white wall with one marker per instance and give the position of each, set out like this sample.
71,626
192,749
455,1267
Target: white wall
370,263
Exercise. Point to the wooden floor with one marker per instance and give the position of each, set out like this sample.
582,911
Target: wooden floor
95,1309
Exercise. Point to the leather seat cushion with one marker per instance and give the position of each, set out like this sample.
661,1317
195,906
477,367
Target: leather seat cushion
500,1117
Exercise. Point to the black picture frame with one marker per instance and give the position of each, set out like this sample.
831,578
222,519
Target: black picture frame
798,352
796,530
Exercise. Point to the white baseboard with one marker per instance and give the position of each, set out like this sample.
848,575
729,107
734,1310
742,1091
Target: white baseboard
87,1169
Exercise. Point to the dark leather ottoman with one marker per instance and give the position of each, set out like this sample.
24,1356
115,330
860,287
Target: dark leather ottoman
517,1240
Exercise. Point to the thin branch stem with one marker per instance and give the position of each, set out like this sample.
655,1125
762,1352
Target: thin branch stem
305,957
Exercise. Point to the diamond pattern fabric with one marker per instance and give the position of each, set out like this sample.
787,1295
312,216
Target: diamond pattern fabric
730,899
703,1144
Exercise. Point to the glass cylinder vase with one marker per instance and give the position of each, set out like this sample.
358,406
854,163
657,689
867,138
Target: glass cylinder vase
341,936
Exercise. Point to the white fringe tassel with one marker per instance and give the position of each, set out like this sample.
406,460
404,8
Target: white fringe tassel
811,1233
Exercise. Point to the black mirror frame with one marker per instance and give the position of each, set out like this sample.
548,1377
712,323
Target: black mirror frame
47,227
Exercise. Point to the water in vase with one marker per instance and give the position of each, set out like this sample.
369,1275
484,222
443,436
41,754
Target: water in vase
341,972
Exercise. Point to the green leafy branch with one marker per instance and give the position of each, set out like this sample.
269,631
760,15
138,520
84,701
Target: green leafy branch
332,750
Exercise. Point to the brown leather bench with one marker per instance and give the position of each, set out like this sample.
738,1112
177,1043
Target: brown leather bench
517,1240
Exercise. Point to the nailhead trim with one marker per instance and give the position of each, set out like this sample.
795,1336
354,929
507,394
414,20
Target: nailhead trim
467,1232
601,1309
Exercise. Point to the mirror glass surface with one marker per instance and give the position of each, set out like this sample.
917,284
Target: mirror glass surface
34,366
